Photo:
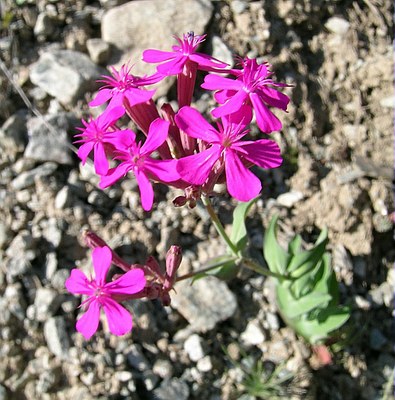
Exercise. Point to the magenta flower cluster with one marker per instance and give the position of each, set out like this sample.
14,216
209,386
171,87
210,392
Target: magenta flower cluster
180,148
191,152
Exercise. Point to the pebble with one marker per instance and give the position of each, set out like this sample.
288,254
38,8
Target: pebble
204,303
194,347
204,364
289,199
221,51
46,303
253,334
172,389
65,74
136,358
56,336
163,368
44,26
337,25
99,50
26,179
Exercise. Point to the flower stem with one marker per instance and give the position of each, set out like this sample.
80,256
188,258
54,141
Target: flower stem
253,266
218,225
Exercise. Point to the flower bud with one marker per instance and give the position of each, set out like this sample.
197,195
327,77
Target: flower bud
173,261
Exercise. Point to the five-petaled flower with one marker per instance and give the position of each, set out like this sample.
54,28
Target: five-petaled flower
136,157
252,87
123,86
105,295
97,134
174,61
225,145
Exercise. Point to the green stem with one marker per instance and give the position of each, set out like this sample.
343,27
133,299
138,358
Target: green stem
194,273
218,225
253,266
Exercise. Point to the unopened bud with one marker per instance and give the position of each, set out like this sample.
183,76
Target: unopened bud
152,266
173,261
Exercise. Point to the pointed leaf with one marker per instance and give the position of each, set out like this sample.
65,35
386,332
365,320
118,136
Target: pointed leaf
275,256
239,231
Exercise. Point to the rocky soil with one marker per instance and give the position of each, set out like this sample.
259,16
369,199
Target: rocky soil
337,143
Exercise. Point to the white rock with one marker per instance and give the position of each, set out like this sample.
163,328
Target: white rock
289,199
337,25
193,347
253,334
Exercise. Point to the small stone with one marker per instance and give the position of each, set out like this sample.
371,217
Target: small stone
26,179
3,393
4,235
99,50
163,368
289,199
136,358
59,278
64,198
204,364
221,51
44,26
51,265
150,380
46,303
172,389
123,376
193,347
65,74
253,334
272,321
388,102
205,303
56,336
238,6
337,25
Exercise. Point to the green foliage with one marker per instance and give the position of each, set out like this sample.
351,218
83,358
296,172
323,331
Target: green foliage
223,267
263,384
307,291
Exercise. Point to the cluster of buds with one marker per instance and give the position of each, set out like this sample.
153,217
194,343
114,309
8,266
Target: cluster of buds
181,149
137,282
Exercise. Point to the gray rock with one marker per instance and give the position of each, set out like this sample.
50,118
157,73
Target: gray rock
127,29
4,235
65,74
136,358
289,199
16,303
3,393
44,26
26,179
13,137
377,340
221,51
49,144
99,50
205,303
194,347
253,334
59,278
57,337
46,303
172,389
163,368
238,6
63,198
337,25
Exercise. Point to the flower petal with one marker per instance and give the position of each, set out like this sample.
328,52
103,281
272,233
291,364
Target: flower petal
102,96
206,62
100,159
172,67
131,282
84,151
162,170
264,153
274,98
138,96
191,121
216,82
195,169
89,322
265,119
156,56
78,283
119,319
157,134
242,184
146,190
232,105
101,257
114,174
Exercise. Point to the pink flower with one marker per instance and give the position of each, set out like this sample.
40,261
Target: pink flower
104,295
135,157
252,87
174,61
97,133
124,86
226,147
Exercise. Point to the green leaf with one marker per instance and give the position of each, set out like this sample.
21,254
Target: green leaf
294,245
319,328
224,267
239,232
306,260
293,308
275,256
